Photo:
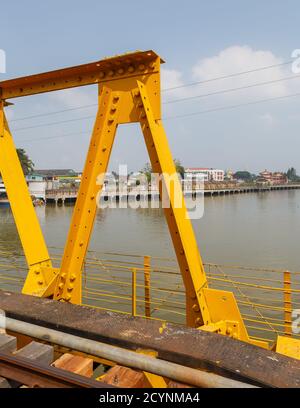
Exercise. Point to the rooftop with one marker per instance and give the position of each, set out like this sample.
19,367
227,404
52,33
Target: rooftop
56,172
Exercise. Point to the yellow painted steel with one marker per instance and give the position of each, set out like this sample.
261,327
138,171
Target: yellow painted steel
133,295
288,346
179,224
69,282
287,304
156,381
29,230
147,286
128,92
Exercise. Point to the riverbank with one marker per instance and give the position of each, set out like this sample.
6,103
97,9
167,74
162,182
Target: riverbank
69,196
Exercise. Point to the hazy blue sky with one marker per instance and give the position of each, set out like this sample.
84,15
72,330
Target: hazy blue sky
199,40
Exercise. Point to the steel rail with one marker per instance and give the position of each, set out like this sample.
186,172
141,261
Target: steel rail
37,375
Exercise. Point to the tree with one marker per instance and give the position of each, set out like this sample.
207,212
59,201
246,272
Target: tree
292,174
147,169
244,175
26,163
179,168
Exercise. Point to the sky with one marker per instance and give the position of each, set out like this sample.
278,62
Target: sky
253,128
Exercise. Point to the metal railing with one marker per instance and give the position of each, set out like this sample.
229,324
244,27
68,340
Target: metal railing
152,287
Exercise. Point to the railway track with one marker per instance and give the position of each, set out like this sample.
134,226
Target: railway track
36,366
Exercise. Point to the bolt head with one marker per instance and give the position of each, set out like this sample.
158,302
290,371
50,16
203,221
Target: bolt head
195,308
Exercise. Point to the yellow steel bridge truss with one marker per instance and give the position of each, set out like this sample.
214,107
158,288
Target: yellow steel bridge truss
128,92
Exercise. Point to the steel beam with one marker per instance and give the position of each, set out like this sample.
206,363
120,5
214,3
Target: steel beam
27,223
109,69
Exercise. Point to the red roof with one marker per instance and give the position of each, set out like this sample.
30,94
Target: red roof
198,168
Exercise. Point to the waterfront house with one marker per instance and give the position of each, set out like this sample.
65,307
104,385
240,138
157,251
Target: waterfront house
207,174
37,186
268,177
59,177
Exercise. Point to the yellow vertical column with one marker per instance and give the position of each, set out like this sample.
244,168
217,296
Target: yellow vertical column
26,220
68,286
147,283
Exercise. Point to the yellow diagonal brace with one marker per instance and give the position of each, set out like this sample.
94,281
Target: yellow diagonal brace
179,223
69,283
26,220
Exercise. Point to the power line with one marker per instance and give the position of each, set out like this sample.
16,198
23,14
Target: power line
227,76
163,90
53,113
232,89
221,108
53,123
37,139
172,101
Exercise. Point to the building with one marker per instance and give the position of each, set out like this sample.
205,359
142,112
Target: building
229,175
267,177
58,177
57,173
207,174
37,185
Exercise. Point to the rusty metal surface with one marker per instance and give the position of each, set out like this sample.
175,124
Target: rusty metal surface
33,374
182,345
79,75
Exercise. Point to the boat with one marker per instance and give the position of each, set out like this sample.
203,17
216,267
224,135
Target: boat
4,202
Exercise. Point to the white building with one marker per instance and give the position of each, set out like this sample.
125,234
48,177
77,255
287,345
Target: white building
204,172
37,186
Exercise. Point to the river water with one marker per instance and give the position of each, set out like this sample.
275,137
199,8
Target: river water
255,229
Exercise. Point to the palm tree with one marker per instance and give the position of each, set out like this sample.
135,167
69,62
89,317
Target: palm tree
26,163
179,168
147,170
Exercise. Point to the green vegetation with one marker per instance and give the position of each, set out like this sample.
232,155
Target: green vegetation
26,163
292,174
147,169
179,167
244,175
